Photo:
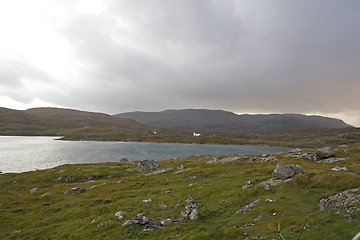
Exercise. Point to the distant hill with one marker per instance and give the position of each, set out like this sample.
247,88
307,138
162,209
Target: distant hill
73,124
204,120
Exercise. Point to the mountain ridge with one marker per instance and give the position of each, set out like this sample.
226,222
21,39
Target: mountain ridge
228,122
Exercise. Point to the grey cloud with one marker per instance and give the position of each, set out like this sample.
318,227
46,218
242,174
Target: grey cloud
243,56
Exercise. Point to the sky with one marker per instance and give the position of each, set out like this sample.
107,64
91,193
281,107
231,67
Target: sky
244,56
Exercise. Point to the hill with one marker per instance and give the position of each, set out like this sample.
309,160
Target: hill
219,121
72,124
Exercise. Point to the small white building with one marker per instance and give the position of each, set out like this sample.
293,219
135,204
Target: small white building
196,134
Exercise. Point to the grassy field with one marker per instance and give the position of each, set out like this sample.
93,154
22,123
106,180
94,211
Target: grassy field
113,187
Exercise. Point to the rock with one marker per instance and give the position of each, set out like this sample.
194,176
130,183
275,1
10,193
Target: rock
248,207
163,206
191,184
269,200
128,223
247,184
343,146
102,224
75,190
197,177
337,168
146,200
166,221
147,165
124,160
272,182
192,211
160,171
325,152
333,160
258,218
93,221
357,237
180,168
283,171
120,215
34,190
340,200
45,194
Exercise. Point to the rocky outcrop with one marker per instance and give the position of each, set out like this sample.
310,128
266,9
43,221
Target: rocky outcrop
325,152
191,213
272,182
147,165
333,159
224,160
340,200
300,154
247,207
75,190
283,171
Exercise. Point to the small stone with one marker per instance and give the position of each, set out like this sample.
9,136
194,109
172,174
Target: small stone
258,218
124,160
146,200
94,220
34,190
120,215
337,168
163,206
46,194
103,224
269,200
191,184
247,185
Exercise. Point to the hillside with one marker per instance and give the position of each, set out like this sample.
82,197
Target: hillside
321,203
203,120
73,124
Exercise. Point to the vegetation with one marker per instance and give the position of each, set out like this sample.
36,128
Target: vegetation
113,187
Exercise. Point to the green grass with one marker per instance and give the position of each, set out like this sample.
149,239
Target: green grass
25,215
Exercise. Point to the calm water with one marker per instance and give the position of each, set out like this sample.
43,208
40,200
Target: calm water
21,154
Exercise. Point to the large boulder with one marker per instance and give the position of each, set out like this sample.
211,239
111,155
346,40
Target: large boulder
147,165
283,171
325,152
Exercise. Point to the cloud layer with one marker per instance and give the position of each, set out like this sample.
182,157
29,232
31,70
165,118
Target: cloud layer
244,56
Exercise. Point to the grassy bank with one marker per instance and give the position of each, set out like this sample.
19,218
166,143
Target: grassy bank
218,192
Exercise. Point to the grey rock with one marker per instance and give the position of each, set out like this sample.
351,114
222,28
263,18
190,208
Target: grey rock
192,211
247,185
340,200
333,160
247,207
120,215
147,165
283,171
75,190
272,182
160,171
325,152
103,224
124,160
128,223
147,200
46,194
337,168
163,206
34,190
197,177
258,218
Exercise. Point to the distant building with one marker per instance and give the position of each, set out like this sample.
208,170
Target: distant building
196,134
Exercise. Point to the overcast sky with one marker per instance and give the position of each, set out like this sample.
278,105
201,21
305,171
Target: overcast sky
273,56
